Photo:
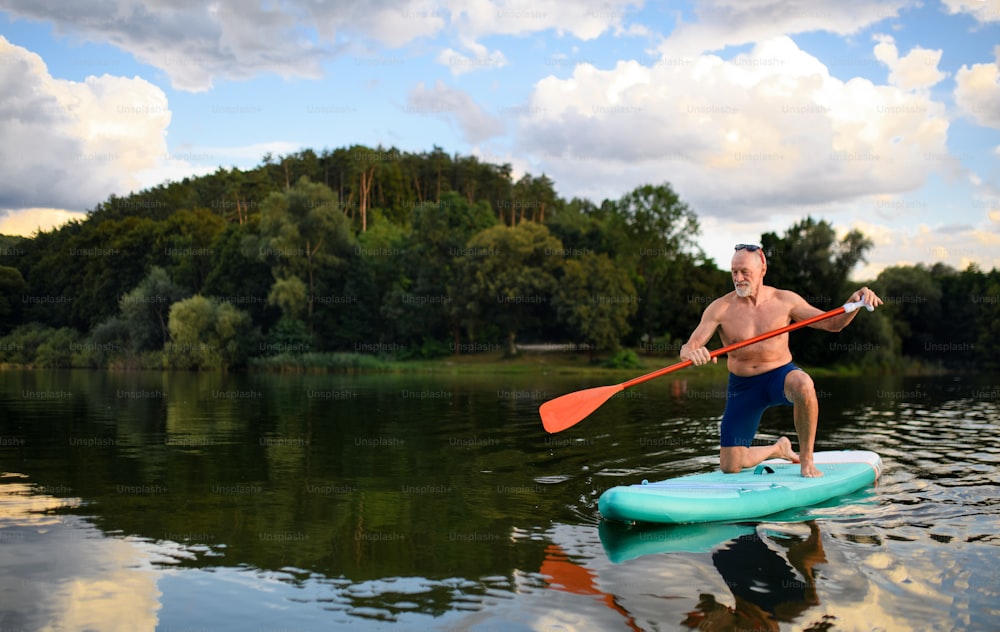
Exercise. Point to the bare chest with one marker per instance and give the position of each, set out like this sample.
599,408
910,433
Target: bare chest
743,322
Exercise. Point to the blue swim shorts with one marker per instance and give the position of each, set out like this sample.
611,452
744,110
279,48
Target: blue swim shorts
746,400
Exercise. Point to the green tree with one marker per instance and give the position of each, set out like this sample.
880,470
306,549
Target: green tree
965,321
184,245
432,304
958,310
144,310
11,247
12,288
868,343
530,198
303,232
652,230
123,252
240,275
513,287
691,283
207,334
595,300
377,271
291,296
50,271
986,350
58,349
913,306
106,342
578,225
21,345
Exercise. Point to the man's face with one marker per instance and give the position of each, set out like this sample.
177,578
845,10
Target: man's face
748,272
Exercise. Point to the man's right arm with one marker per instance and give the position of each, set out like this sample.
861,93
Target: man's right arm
694,349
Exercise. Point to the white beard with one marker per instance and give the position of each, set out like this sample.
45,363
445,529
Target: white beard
743,291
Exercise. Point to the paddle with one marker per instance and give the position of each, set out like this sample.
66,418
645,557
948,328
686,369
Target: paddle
568,410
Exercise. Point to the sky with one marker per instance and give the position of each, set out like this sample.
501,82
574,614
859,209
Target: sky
881,116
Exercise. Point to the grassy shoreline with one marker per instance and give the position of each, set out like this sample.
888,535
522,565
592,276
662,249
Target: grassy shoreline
494,363
550,362
479,363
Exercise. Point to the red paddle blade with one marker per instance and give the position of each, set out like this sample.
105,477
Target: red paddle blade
562,412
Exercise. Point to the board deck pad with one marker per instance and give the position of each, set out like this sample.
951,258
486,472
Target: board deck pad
774,485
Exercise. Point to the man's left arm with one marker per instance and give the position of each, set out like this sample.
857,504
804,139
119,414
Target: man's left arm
802,310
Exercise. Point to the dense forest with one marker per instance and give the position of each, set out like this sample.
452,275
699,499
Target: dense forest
361,253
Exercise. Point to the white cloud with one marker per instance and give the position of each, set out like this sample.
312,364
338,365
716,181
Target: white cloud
915,71
985,11
195,42
586,19
722,23
188,43
470,21
977,91
955,245
395,23
77,142
764,132
457,106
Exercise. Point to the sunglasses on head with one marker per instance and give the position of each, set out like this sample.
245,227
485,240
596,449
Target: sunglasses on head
752,248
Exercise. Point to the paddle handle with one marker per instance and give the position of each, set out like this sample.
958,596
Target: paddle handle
850,307
846,308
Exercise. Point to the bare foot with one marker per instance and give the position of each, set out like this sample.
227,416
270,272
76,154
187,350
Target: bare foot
809,471
783,447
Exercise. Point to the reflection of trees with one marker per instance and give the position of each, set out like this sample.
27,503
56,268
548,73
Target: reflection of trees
346,476
408,485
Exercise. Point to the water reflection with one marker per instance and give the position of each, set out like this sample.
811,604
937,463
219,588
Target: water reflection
770,573
564,574
60,573
769,586
187,501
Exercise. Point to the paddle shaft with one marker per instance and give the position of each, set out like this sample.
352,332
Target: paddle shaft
843,309
562,412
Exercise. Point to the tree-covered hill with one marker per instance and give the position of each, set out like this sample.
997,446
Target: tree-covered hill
412,255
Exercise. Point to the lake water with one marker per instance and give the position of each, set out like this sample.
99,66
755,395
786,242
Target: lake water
181,501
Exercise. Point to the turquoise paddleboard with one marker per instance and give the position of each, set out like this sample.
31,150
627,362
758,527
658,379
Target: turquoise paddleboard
625,541
774,485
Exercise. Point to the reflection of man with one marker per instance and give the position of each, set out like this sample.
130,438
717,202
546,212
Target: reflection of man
767,589
762,375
